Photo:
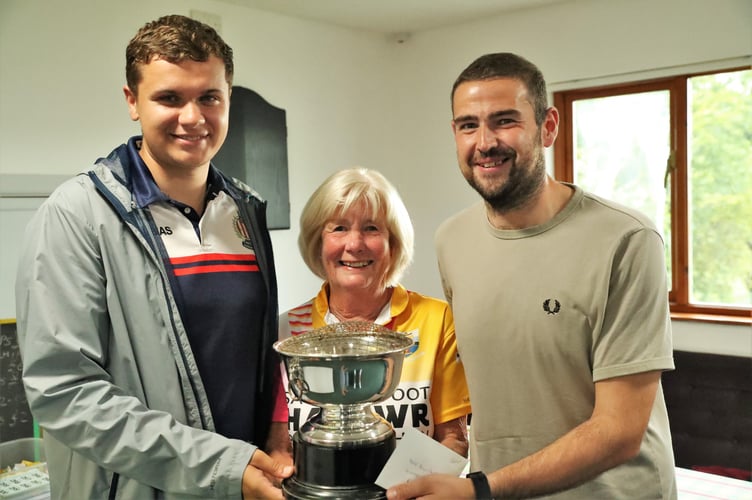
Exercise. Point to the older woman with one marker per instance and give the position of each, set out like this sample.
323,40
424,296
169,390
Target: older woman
357,236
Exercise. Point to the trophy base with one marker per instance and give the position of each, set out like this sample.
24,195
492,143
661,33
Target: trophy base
331,472
295,490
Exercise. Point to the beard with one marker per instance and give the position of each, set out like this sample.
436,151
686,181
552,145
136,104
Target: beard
524,182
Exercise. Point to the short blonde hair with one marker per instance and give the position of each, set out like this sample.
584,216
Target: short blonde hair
341,191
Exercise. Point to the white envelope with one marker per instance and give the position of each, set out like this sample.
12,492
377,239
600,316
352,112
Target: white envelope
416,455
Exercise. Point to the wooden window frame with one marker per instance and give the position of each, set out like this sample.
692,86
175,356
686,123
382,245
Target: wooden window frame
681,307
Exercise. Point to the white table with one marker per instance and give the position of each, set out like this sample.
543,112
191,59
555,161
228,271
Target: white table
694,485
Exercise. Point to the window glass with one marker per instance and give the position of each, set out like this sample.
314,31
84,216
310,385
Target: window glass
719,162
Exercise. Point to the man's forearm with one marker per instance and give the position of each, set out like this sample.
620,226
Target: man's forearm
583,453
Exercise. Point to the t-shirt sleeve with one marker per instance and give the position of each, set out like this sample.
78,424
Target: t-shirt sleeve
635,335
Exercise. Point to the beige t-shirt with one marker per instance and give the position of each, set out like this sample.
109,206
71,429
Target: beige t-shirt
543,313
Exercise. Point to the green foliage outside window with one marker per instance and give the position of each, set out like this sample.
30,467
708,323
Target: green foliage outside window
720,148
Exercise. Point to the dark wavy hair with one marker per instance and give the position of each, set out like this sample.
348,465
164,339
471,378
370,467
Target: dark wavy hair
508,65
174,38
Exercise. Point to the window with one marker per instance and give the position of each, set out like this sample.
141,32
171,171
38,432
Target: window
678,149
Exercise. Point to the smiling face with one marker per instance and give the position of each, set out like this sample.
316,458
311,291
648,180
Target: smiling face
355,251
499,145
184,113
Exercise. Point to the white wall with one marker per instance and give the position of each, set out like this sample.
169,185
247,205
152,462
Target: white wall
351,98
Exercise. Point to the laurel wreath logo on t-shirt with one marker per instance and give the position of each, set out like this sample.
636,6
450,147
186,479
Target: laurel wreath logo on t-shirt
547,306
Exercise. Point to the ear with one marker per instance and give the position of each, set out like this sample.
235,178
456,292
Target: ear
130,98
550,127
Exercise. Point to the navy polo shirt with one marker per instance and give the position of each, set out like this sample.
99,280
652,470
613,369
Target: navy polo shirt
219,290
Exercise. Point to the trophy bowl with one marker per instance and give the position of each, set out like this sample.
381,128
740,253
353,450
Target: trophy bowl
348,363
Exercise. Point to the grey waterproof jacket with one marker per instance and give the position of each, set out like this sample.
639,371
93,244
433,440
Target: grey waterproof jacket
107,366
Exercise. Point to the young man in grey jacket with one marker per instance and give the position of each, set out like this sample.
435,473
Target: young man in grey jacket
147,299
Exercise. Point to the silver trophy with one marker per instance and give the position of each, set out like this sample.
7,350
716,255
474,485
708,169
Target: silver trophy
343,369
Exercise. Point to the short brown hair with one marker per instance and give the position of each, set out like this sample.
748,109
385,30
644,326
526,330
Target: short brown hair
508,65
174,38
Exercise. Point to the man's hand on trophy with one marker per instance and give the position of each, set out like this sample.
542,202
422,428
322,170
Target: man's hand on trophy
256,482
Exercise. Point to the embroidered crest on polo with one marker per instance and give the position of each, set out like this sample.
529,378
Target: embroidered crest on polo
241,231
416,342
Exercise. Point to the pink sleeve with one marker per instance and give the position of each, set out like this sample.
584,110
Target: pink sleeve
280,413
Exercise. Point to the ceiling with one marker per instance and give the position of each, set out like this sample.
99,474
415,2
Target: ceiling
392,17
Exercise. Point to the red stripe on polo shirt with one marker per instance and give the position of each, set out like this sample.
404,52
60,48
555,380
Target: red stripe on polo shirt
222,268
214,263
188,259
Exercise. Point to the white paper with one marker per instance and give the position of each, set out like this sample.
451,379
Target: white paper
418,455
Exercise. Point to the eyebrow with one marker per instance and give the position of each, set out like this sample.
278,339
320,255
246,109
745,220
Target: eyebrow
513,113
172,90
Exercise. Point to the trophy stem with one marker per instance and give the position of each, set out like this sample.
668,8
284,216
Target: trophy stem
348,417
346,426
